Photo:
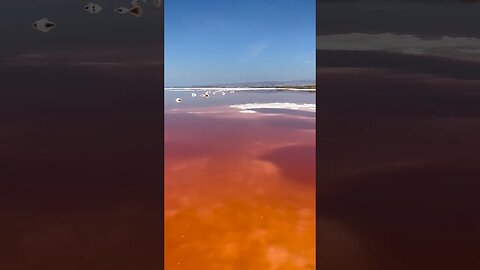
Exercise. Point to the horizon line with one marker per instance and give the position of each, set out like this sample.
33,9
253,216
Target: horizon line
230,83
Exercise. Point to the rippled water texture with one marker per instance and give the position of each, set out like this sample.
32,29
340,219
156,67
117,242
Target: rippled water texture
240,187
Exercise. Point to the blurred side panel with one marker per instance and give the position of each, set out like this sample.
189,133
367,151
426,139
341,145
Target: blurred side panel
398,152
81,113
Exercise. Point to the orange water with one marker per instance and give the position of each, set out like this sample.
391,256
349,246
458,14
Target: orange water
239,190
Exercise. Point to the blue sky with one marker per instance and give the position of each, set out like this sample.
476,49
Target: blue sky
226,41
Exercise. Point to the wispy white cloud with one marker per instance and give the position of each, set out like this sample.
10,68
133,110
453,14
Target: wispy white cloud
254,50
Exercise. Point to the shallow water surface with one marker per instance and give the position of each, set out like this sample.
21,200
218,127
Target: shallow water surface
239,184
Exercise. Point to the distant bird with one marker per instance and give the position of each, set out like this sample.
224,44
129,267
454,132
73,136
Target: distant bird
157,3
178,100
206,95
194,95
122,10
135,10
43,25
223,93
92,8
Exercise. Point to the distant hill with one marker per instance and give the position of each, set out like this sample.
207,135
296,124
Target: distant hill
301,83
